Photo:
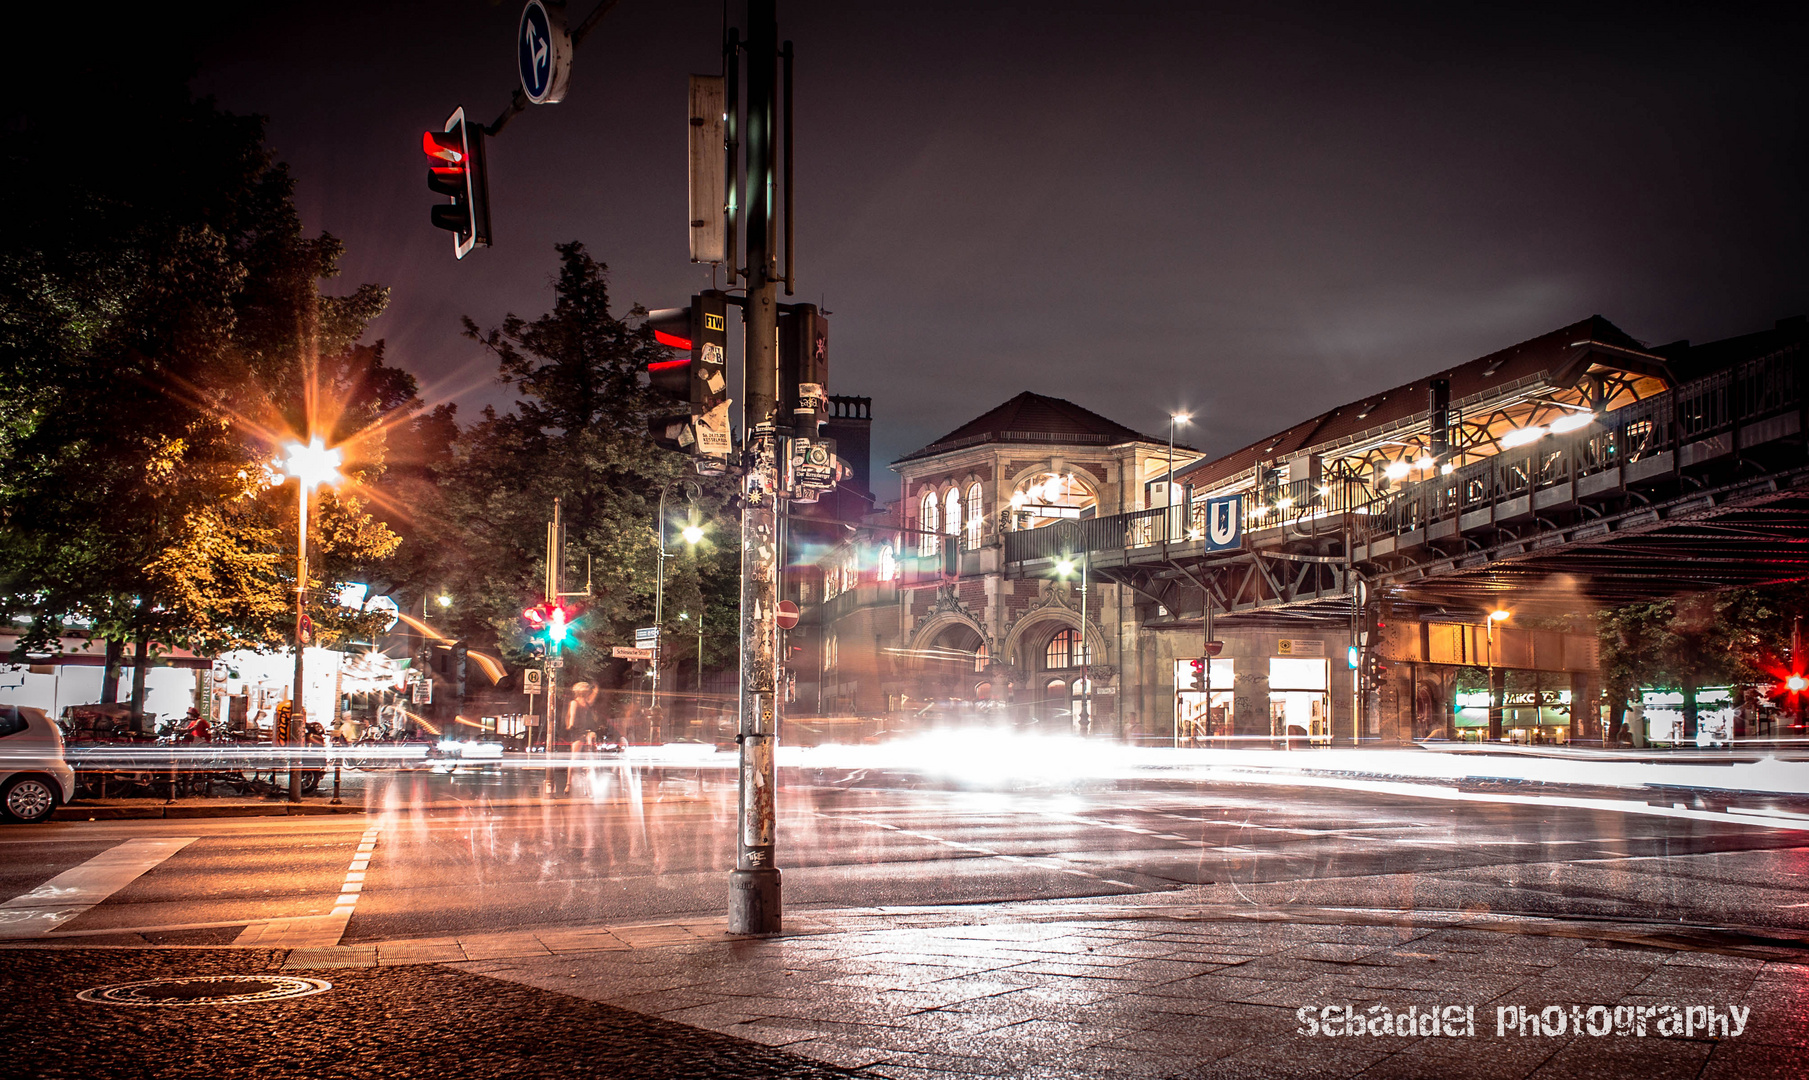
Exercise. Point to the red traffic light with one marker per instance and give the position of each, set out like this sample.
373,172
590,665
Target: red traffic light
445,145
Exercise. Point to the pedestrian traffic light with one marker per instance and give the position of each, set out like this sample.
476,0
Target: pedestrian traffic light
804,367
457,172
695,383
1350,657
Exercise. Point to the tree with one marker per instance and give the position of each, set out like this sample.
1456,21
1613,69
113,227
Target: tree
1732,637
578,432
161,327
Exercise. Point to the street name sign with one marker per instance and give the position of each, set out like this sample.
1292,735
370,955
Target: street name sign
623,652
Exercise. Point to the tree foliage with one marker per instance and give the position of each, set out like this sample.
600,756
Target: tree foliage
1737,636
578,433
161,332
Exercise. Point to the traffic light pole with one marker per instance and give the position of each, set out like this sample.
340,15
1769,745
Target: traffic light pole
554,562
754,884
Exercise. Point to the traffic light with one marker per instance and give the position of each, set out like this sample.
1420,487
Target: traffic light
549,624
1350,657
457,172
804,367
694,383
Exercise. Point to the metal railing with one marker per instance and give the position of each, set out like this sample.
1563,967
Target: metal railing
1695,411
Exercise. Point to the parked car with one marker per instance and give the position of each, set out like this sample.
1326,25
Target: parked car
34,778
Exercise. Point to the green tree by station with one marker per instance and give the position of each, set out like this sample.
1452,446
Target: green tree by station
578,432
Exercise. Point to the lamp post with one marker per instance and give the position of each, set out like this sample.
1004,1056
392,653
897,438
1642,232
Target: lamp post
692,533
1065,567
1168,483
309,464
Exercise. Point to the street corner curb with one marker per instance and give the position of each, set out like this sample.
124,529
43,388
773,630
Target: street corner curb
274,810
78,812
105,813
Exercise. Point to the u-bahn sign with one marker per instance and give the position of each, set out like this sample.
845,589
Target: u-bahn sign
1224,523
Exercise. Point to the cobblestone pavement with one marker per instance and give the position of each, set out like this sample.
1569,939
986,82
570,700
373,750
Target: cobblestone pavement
398,1024
1131,987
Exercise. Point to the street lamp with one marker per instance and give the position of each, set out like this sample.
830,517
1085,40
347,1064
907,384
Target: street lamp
692,533
1065,568
309,464
1168,484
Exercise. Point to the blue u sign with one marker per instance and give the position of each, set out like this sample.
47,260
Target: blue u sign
543,52
1224,523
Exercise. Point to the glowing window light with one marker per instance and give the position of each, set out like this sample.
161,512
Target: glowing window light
1572,421
1447,468
1397,470
1426,464
1522,436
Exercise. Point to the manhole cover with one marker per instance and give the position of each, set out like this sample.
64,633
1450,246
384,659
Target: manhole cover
206,990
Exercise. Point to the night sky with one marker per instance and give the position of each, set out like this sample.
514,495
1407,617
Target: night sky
1256,211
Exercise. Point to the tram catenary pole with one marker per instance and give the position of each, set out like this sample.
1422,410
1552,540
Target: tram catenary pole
754,884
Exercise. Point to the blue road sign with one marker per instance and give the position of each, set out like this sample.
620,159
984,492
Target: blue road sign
1224,523
543,52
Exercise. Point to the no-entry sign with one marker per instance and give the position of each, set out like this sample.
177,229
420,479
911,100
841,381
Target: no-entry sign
787,616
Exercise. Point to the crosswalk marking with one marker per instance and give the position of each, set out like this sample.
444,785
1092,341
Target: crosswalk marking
79,888
318,931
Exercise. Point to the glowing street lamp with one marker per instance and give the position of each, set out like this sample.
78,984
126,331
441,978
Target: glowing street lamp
1168,483
445,601
310,464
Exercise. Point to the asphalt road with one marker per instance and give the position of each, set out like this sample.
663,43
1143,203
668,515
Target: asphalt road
480,852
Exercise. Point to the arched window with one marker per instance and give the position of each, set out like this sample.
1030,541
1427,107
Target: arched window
951,518
982,657
830,649
1065,651
929,522
888,563
976,514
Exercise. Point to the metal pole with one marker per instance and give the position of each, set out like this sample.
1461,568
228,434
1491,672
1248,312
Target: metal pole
659,607
553,556
298,715
1086,648
754,897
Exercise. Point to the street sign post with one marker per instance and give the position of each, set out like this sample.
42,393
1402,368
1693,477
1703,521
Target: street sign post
543,52
531,681
645,637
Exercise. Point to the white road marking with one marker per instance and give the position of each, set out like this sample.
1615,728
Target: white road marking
79,888
316,931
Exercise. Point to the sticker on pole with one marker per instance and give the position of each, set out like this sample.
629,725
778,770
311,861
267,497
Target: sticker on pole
543,52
